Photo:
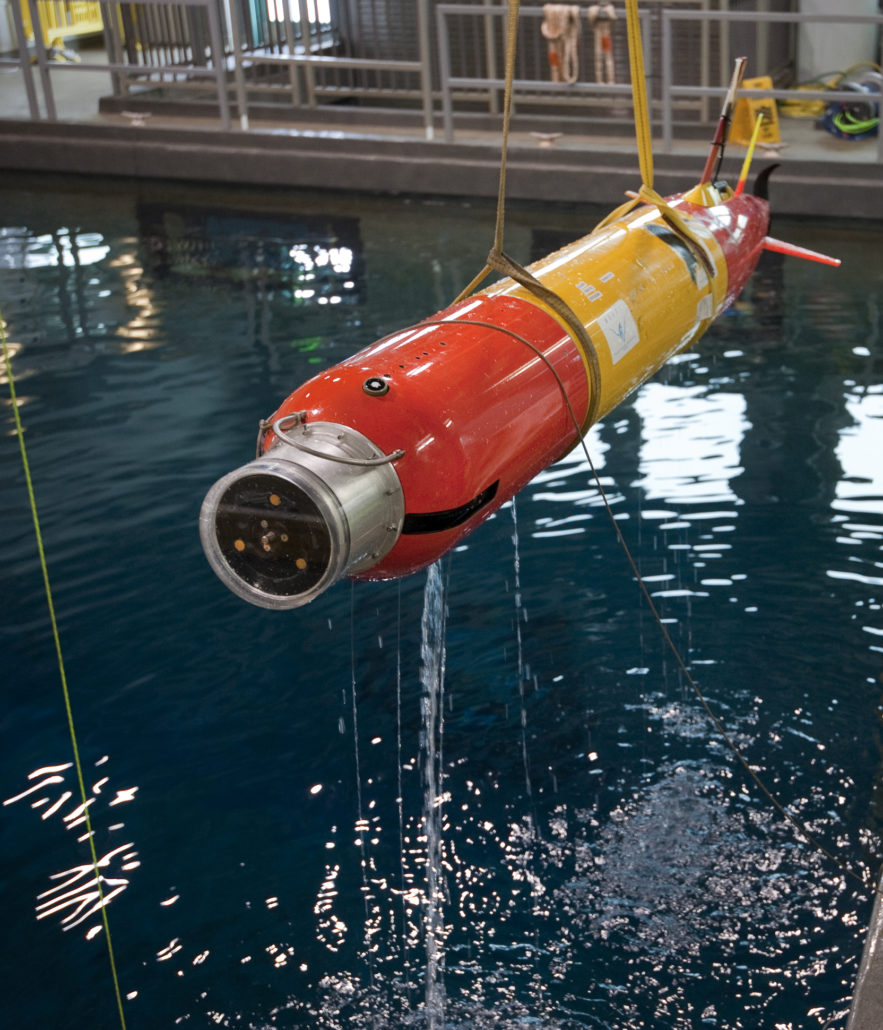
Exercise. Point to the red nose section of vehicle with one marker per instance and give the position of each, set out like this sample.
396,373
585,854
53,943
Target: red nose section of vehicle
378,466
479,398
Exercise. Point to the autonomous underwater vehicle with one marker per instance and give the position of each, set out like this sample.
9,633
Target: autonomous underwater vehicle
378,466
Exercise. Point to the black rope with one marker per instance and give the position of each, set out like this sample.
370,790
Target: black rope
796,823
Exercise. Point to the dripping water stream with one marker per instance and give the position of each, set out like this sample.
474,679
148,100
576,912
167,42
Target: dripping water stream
667,887
432,674
403,933
520,616
362,825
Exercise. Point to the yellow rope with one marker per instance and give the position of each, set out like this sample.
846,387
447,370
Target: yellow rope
639,93
511,39
643,136
647,193
499,261
56,637
746,164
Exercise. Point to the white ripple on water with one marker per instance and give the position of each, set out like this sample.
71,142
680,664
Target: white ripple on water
860,488
78,893
679,465
858,504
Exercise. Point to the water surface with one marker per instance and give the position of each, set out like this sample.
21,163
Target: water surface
263,782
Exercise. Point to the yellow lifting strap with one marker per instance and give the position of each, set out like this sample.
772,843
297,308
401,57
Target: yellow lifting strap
647,193
639,92
499,261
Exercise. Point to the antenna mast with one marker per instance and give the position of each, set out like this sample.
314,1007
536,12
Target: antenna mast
719,143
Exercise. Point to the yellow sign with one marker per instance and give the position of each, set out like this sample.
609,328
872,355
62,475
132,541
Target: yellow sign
747,110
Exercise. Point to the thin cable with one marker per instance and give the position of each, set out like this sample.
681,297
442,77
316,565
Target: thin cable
796,823
61,669
400,799
519,615
511,38
361,823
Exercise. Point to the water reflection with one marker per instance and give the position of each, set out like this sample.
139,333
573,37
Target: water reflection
75,895
670,885
858,504
309,259
691,438
70,296
74,295
581,851
861,486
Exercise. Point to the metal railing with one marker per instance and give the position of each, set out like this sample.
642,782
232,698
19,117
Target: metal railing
309,63
671,93
207,61
490,85
453,67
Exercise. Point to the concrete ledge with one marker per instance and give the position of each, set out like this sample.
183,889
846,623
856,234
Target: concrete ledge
399,164
866,1012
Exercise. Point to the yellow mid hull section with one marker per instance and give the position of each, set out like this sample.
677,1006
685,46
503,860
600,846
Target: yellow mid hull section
641,291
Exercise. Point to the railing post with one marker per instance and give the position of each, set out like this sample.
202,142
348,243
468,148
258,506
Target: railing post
42,61
25,61
220,64
290,43
704,60
112,14
306,37
425,67
444,70
762,50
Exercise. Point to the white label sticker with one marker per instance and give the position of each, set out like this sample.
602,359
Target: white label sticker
620,329
705,308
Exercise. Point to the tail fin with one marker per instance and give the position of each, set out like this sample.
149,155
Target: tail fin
762,182
780,247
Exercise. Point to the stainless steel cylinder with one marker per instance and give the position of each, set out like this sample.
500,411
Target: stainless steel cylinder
321,503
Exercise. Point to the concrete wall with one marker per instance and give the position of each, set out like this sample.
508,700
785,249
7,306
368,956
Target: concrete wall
8,45
821,49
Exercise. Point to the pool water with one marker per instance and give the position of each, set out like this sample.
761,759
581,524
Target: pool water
266,786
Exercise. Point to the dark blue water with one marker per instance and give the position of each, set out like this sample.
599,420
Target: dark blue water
266,786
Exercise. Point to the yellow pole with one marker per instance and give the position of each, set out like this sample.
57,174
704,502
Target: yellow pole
746,164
